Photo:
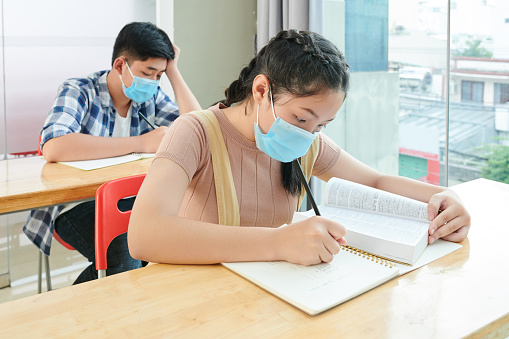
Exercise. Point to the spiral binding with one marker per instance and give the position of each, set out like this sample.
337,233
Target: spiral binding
368,256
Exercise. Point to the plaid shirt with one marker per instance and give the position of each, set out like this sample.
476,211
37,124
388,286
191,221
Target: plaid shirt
84,106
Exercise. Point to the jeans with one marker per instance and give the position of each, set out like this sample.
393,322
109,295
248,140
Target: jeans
77,228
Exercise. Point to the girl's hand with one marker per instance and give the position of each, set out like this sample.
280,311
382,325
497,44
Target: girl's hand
311,241
452,223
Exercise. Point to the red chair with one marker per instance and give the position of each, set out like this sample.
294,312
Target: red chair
46,258
110,222
39,152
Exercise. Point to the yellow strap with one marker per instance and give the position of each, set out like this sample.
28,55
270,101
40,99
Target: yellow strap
227,203
307,162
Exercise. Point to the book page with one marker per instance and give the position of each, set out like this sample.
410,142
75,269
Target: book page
432,252
317,288
343,193
88,165
379,226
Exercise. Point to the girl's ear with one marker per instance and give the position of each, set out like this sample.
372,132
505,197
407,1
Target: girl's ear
261,86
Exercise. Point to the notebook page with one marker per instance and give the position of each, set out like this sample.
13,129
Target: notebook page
317,288
88,165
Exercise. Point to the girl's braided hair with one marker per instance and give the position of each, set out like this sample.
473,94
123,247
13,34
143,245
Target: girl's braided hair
299,63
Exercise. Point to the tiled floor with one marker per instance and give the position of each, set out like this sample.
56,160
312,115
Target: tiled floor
22,262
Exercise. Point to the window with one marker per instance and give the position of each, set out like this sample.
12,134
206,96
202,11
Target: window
501,93
472,91
478,135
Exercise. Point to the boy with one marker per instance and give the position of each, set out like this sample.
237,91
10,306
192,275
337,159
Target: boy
103,115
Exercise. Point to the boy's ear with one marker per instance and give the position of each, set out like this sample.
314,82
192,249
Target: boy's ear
118,64
261,86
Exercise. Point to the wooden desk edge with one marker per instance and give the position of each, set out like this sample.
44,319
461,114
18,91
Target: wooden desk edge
498,328
79,190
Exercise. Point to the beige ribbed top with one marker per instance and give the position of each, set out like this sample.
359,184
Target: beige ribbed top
262,199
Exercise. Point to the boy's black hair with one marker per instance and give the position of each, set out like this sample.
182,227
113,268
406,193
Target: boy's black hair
299,63
141,41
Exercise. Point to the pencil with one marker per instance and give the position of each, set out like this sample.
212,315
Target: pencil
148,122
302,178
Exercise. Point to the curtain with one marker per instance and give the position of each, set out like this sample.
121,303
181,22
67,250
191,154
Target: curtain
276,15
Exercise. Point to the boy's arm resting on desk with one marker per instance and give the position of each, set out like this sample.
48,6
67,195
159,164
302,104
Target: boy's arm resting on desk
79,146
449,218
158,234
186,100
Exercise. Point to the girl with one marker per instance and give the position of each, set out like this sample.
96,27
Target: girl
192,210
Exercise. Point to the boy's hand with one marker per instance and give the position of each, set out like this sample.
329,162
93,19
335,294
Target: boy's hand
149,142
171,66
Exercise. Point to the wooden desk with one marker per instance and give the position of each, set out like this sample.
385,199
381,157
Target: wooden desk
463,294
28,183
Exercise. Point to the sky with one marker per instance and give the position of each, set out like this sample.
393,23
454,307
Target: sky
474,17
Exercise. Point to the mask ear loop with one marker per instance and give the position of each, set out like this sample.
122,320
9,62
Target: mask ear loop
272,103
129,69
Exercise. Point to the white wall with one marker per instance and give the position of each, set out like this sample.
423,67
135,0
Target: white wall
372,119
489,92
217,41
165,21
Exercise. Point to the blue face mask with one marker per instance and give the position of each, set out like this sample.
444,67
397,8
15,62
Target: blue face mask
284,142
141,89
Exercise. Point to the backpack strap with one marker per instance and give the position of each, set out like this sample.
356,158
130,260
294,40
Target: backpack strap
307,162
227,203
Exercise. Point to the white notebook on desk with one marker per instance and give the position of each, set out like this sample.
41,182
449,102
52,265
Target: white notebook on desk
88,165
315,289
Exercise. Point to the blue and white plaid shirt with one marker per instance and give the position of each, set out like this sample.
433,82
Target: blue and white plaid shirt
84,105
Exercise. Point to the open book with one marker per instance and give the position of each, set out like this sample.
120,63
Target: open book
88,165
381,223
315,289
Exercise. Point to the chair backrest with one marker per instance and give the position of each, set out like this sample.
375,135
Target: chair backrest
110,222
39,152
57,238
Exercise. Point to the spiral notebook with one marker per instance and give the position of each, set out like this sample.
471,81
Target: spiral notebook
315,289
